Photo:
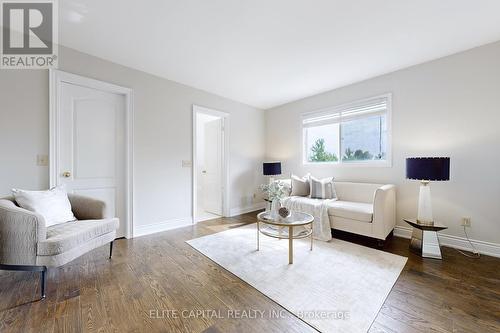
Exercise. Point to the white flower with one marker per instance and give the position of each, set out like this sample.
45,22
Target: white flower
275,190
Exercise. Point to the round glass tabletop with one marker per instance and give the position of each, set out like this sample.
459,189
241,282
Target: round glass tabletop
294,219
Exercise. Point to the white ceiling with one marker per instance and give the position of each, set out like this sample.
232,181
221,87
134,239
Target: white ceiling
269,52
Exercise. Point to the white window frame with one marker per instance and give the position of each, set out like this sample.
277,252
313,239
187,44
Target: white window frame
338,109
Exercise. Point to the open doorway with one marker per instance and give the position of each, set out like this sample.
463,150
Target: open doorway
209,164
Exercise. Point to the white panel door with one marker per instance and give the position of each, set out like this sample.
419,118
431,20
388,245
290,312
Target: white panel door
92,146
212,173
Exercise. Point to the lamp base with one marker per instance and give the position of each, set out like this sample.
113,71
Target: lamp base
424,215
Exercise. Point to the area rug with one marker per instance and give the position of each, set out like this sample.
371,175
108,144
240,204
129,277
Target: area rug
336,287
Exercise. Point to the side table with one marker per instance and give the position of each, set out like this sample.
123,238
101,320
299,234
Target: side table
424,238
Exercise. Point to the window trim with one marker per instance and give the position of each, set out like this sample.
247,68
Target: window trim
387,163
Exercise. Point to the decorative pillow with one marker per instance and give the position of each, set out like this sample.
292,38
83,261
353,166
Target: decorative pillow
53,204
322,189
300,186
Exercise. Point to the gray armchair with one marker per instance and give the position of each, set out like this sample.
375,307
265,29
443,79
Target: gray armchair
26,244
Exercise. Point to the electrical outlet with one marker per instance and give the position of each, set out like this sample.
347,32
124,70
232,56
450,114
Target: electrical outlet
465,222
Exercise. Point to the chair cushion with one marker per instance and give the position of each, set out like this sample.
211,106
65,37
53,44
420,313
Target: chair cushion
351,210
66,236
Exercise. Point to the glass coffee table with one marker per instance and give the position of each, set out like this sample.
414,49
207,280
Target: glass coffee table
283,228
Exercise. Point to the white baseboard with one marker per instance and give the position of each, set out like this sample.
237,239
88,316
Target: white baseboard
243,210
143,230
461,243
207,218
403,232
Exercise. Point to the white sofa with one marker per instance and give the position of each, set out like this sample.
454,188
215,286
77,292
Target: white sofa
363,208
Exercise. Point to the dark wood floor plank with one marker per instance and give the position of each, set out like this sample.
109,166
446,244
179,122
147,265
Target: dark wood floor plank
92,307
21,296
67,309
388,323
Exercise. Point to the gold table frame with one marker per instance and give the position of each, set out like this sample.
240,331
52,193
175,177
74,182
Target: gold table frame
294,220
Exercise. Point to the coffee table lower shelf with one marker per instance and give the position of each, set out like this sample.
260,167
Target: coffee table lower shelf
283,228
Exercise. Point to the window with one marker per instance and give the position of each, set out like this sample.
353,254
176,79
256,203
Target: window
355,133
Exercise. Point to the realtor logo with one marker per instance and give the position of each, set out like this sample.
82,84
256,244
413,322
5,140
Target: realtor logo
29,34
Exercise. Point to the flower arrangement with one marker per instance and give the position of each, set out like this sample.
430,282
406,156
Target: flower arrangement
275,191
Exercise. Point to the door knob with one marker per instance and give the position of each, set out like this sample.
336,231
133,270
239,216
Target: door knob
66,174
204,171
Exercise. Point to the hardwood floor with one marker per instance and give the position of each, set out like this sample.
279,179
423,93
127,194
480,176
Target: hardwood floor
156,273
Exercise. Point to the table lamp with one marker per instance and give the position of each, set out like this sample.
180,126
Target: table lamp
271,169
427,169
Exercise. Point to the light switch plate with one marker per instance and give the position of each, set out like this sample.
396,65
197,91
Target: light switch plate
42,160
187,164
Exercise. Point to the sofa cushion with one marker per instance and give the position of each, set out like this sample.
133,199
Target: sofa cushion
356,192
66,236
351,210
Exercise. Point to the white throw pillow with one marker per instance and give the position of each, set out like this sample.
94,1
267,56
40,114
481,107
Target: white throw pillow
300,186
322,188
53,204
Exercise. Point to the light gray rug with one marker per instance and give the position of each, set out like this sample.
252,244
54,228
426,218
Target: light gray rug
337,287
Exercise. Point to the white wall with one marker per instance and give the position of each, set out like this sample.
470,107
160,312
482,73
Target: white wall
24,122
448,107
162,138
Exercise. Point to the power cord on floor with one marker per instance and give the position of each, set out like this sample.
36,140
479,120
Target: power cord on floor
476,254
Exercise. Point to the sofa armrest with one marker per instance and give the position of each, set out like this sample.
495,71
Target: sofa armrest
20,232
384,211
86,208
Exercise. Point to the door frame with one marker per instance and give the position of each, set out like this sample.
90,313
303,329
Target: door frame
225,158
56,77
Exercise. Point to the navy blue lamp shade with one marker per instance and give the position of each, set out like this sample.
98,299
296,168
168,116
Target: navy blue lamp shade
272,168
428,168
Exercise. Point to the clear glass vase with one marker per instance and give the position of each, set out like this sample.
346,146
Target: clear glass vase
275,206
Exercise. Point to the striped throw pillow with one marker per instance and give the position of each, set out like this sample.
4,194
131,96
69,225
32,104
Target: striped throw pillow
322,188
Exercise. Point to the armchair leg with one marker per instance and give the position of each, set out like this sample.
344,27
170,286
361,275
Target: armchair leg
28,268
110,249
43,282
